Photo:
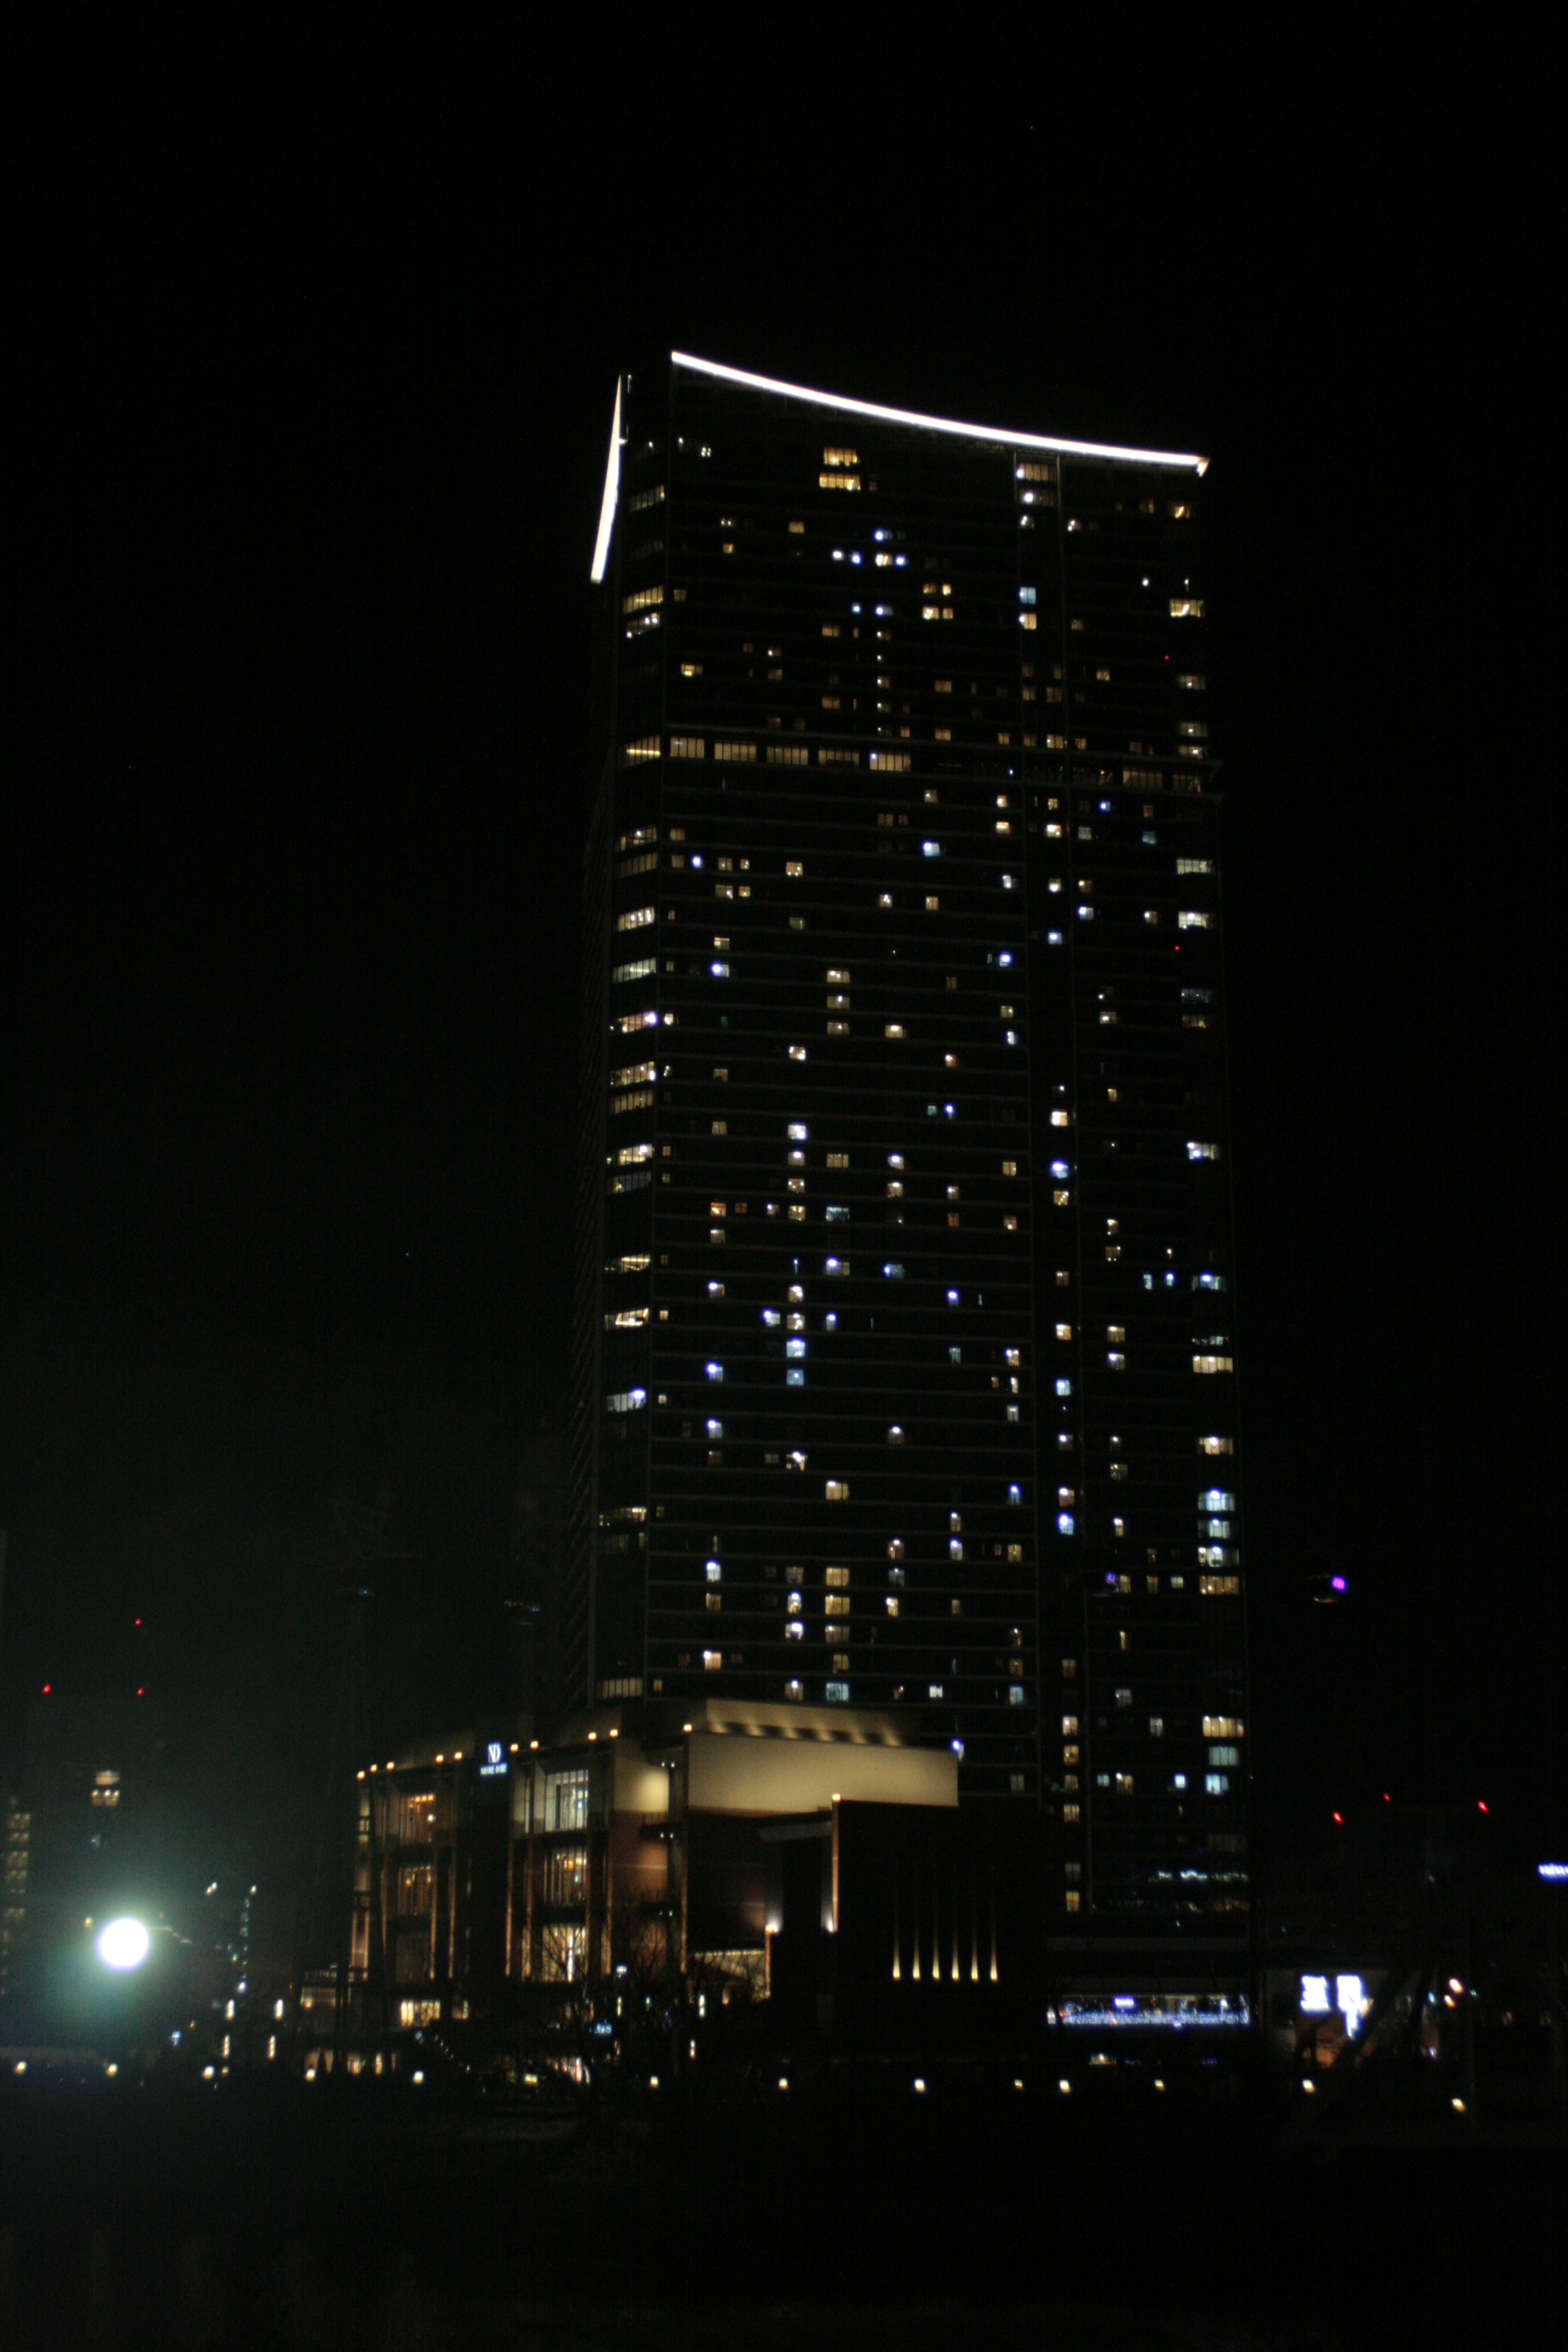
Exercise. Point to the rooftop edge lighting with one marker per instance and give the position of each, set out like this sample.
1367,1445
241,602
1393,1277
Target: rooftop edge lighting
907,416
612,490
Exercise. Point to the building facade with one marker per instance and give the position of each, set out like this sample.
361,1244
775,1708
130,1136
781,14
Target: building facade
904,1351
624,1837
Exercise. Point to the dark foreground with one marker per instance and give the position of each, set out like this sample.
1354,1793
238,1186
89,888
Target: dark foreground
279,2215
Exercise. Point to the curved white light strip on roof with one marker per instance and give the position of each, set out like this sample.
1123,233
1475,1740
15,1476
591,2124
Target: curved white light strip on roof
612,488
940,423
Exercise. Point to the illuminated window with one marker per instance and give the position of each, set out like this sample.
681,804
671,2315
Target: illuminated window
566,1801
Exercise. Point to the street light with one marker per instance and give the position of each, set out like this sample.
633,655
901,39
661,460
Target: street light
123,1944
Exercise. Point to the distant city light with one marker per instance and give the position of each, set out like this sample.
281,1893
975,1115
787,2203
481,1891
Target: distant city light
123,1944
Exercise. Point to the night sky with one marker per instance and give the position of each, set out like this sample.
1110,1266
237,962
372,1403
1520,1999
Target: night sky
316,352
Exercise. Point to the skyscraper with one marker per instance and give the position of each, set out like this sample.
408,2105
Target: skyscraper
905,1368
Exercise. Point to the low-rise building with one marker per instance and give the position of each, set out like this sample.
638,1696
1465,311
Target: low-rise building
509,1854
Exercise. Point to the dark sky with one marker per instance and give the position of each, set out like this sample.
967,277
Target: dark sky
317,348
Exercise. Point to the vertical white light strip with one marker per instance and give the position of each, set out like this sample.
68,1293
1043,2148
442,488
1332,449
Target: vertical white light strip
612,487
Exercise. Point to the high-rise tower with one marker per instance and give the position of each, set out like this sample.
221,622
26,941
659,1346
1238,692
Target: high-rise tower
905,1374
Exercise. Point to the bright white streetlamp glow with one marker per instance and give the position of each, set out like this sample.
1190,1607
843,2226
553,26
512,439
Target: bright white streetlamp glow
123,1944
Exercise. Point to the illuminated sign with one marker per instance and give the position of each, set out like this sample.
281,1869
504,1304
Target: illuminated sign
492,1760
1552,1870
1320,1996
1170,2012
